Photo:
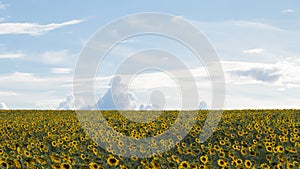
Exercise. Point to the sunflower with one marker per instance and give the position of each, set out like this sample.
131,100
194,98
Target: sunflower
144,162
123,167
134,158
64,146
184,164
265,166
248,163
221,163
40,160
175,158
93,165
269,149
155,163
292,150
217,148
54,144
65,166
243,152
112,161
179,149
17,164
221,154
3,164
280,149
27,154
55,158
292,140
239,162
204,159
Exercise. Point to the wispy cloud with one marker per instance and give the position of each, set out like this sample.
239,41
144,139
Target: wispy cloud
3,6
61,70
33,29
2,19
258,25
254,51
11,56
23,81
55,57
7,93
287,11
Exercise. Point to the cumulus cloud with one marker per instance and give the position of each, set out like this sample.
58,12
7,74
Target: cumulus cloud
71,104
149,107
117,97
33,29
203,105
3,106
158,101
260,74
145,107
254,51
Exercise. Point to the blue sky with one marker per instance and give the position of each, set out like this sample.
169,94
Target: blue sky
257,42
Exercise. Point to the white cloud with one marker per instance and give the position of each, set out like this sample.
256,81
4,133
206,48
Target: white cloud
56,57
281,74
259,74
47,104
20,81
22,77
61,70
71,104
258,25
149,107
231,38
3,6
158,101
12,56
254,51
262,85
3,106
203,105
7,93
33,29
287,11
116,97
17,87
2,19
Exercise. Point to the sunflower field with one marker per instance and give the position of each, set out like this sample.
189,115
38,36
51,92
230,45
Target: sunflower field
242,139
